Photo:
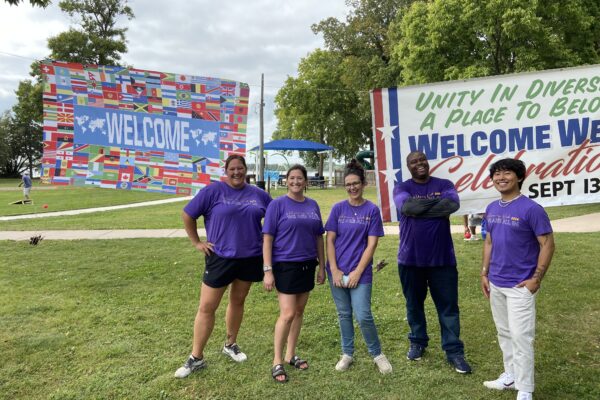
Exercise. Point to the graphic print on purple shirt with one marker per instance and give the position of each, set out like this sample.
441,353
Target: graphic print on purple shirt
231,217
515,249
425,242
352,226
294,226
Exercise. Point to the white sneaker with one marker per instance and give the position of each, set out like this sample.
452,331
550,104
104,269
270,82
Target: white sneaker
192,364
383,364
504,382
524,395
233,351
344,363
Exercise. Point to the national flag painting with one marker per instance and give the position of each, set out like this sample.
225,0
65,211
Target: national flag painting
125,126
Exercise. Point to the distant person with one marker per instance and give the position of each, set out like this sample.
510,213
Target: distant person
426,259
27,184
232,212
517,253
353,230
471,222
292,249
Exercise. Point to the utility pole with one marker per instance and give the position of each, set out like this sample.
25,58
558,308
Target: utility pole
261,138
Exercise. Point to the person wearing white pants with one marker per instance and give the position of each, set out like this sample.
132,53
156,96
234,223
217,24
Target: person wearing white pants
517,252
513,310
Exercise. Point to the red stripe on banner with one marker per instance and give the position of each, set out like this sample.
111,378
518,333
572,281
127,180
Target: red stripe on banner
381,158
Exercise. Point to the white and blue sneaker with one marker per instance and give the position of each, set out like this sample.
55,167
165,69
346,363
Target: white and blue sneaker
192,364
233,351
504,382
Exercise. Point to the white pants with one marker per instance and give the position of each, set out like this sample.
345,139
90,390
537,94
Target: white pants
514,315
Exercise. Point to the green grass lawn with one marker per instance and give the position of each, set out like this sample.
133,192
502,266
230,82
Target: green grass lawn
68,198
113,320
166,216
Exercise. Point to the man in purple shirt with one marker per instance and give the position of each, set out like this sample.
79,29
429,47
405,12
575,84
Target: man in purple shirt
426,258
517,252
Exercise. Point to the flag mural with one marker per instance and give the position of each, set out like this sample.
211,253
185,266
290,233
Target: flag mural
548,119
135,129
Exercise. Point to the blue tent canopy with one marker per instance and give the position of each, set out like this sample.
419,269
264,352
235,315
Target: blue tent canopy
291,144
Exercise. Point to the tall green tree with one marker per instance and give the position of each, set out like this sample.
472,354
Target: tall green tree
356,59
456,39
316,106
5,148
97,39
26,127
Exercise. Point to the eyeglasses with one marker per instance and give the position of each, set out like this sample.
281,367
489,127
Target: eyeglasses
352,184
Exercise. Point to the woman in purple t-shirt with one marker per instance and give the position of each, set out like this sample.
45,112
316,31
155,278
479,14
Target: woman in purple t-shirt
292,248
232,212
353,230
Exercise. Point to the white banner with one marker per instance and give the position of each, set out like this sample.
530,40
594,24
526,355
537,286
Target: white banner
548,119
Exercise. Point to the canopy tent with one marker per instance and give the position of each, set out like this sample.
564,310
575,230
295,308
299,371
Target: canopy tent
292,144
300,145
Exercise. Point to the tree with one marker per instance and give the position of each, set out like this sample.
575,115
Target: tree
316,106
363,41
39,3
457,39
356,60
98,39
5,149
26,126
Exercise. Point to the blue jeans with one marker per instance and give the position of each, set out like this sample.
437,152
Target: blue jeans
443,284
357,300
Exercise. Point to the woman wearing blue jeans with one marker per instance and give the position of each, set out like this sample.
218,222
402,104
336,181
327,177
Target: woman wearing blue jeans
353,229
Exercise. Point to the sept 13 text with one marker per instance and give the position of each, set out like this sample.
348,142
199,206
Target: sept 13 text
556,188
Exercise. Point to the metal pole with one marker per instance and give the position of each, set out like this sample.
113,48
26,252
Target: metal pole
261,141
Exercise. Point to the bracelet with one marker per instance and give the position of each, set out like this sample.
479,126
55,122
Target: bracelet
267,268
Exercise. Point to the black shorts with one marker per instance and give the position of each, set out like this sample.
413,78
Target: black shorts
220,272
295,277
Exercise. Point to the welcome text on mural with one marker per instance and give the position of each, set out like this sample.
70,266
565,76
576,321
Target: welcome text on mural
571,132
154,132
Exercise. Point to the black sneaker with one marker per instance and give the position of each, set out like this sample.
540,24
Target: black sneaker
460,364
415,352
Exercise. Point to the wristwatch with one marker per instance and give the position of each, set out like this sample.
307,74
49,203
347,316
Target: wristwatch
267,268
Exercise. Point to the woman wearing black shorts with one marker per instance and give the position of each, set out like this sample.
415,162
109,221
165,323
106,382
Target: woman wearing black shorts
292,248
232,212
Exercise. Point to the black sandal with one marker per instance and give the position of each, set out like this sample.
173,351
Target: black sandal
297,362
278,370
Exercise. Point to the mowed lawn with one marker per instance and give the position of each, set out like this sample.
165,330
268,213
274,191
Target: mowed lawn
113,320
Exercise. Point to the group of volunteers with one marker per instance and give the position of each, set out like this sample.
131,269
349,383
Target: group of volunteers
287,251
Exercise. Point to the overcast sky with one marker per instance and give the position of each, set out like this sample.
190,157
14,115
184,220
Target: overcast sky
236,39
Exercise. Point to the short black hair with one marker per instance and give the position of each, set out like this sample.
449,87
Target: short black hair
510,164
412,153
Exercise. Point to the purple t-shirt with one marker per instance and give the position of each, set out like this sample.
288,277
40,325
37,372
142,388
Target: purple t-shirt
353,225
425,242
231,217
514,230
295,227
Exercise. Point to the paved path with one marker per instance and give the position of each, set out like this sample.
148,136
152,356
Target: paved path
93,210
581,224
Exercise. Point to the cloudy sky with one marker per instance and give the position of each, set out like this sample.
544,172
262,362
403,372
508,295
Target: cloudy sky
236,39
